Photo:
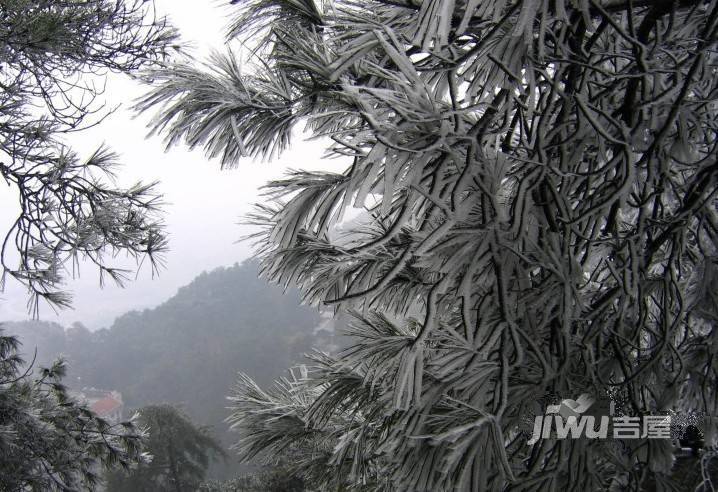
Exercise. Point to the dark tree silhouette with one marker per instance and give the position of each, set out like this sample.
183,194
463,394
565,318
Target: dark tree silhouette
180,451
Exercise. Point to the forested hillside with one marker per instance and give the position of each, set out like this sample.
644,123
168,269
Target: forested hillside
188,350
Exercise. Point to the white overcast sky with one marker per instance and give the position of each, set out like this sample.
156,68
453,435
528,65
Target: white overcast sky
204,204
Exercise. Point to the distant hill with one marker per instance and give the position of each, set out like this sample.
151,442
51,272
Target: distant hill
187,350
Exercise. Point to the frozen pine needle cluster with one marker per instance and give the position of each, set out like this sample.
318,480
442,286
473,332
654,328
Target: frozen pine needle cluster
539,185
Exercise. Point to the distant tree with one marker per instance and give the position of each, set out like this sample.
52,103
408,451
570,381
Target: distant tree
49,441
274,479
181,453
540,177
54,58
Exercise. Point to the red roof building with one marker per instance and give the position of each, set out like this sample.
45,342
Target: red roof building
105,404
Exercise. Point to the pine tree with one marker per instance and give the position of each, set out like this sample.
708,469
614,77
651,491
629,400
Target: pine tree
49,440
539,179
180,451
54,57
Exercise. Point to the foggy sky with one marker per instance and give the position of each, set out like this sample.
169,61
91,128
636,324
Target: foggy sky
204,204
